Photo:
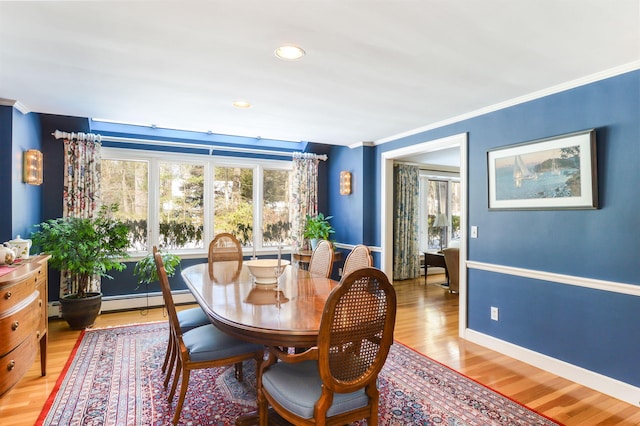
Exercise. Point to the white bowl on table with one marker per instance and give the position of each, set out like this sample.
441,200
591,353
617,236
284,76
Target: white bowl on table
266,271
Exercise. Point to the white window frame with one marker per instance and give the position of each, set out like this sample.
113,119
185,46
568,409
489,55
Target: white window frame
437,176
154,158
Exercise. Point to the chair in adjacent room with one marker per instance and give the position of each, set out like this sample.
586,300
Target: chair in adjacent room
358,257
225,247
321,262
452,260
202,347
335,382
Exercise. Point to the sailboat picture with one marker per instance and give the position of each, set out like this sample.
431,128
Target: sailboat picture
521,171
548,173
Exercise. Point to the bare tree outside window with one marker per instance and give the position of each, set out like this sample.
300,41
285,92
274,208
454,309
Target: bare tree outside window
233,202
126,183
181,206
275,208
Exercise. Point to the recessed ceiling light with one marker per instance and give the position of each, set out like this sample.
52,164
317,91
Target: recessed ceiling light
289,53
241,104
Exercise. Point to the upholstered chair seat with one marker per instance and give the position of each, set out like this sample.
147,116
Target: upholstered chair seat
297,387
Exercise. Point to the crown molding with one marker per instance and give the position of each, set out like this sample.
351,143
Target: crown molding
602,75
359,144
16,104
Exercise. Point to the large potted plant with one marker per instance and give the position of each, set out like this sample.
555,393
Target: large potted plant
317,228
84,247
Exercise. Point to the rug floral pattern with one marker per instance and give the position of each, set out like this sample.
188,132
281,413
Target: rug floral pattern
115,378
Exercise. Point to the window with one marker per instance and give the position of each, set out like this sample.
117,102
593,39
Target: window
233,202
125,182
439,211
181,207
180,201
275,207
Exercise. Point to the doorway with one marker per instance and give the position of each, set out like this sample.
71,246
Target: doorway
458,141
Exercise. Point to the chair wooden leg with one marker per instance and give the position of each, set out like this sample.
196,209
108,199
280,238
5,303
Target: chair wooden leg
183,393
168,354
263,410
172,362
238,373
174,385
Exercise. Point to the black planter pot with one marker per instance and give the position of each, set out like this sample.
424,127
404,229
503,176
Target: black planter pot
81,313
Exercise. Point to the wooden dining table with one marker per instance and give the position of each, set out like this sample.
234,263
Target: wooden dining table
285,313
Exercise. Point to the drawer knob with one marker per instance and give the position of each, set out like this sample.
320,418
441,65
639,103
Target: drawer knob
14,325
7,295
11,365
38,335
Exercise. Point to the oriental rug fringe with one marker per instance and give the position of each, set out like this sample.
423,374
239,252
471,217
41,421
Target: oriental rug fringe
113,377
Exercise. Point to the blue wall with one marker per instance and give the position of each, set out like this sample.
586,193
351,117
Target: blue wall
18,133
593,329
6,161
347,209
25,198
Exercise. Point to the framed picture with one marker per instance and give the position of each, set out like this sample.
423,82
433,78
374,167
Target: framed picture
552,173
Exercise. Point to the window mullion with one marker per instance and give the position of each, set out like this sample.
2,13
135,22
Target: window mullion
153,227
208,203
258,193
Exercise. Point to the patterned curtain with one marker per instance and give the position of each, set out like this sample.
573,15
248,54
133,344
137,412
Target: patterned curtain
81,197
406,255
304,195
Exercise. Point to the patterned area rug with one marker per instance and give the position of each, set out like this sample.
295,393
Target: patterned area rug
114,377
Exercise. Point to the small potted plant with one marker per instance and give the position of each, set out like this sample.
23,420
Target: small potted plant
317,228
146,271
84,247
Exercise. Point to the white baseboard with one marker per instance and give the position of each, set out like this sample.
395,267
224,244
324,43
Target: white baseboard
53,310
590,379
130,301
137,301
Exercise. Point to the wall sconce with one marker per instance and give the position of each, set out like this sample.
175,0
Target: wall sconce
345,183
32,167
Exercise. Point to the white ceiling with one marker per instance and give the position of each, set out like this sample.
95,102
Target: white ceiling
373,69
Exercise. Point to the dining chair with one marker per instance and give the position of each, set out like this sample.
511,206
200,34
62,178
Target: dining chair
335,382
224,247
188,320
321,261
358,257
202,347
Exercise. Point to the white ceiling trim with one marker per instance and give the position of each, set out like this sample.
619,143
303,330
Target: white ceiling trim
632,66
16,104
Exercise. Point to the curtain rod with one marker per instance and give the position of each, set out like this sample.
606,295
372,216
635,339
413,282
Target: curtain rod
79,136
99,138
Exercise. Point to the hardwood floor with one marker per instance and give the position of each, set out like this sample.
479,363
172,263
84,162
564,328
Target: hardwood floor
427,320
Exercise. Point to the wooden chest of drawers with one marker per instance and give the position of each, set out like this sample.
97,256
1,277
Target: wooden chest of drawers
23,320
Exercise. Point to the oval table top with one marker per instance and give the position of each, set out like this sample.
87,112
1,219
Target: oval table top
284,314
